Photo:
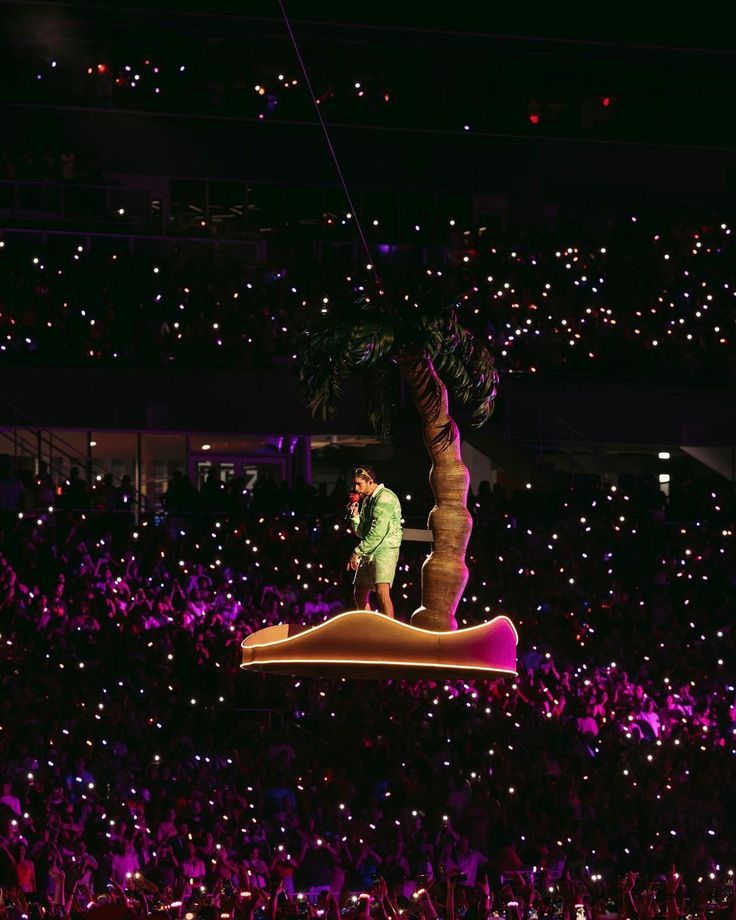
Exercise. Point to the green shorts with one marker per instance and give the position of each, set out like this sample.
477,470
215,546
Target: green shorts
378,570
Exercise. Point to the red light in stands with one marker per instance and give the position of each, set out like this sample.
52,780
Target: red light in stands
534,118
606,100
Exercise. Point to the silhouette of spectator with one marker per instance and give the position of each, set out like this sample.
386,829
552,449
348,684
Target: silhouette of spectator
75,495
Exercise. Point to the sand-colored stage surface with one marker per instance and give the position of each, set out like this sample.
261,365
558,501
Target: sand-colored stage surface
370,645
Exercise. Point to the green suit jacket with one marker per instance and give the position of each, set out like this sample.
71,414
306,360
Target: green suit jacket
378,523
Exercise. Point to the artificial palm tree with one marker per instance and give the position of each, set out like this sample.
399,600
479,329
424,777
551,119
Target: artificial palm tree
433,352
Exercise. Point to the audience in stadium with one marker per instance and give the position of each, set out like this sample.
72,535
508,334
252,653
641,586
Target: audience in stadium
151,772
661,293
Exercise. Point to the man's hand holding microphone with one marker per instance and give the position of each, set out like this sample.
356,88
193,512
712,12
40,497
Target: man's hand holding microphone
353,505
351,511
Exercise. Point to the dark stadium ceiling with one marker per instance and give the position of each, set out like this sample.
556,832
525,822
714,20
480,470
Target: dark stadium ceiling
575,24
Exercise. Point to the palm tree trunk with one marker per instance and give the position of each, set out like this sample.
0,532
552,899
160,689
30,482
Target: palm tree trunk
444,573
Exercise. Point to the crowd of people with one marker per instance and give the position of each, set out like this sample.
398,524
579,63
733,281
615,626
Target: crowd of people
46,163
193,79
250,71
662,294
141,767
142,772
262,79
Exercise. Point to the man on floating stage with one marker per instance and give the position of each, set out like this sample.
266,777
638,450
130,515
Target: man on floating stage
376,520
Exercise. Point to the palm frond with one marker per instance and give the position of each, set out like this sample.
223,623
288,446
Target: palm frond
379,404
454,373
420,328
331,351
470,370
361,335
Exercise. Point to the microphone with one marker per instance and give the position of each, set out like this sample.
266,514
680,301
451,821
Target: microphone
354,498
